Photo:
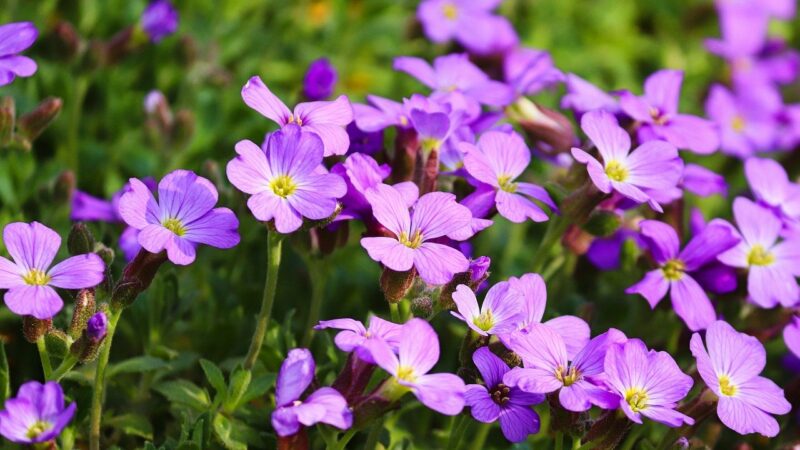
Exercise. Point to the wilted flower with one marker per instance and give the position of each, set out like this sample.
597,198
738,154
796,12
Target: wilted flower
354,336
471,23
15,38
320,80
159,20
730,368
500,313
37,414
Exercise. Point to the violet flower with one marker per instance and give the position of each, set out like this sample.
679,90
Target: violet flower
582,97
730,368
773,189
470,22
325,119
529,71
745,126
791,335
498,160
654,165
649,383
606,253
495,401
501,312
159,20
380,113
771,265
182,217
434,215
354,336
37,414
418,352
326,405
320,80
97,327
368,142
703,182
15,38
675,267
29,278
284,179
657,112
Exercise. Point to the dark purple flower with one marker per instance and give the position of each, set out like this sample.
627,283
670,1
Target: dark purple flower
97,327
605,253
320,80
354,335
37,414
159,20
369,142
15,38
470,22
494,400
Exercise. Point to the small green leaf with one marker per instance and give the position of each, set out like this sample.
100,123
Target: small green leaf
5,386
185,393
240,381
137,365
132,424
223,430
258,387
214,376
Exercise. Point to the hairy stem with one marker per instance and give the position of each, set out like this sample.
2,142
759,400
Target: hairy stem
45,357
96,410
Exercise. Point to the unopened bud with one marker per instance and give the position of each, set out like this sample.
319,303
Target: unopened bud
64,187
543,124
446,295
105,253
7,120
87,346
69,40
97,327
80,240
422,307
33,328
395,285
84,308
32,124
57,343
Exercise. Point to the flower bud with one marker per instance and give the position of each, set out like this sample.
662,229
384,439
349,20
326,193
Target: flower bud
105,253
87,346
84,309
80,240
476,274
543,125
297,441
579,205
57,343
33,123
602,223
405,155
69,41
353,378
395,285
422,307
320,80
7,120
64,187
33,328
136,277
97,327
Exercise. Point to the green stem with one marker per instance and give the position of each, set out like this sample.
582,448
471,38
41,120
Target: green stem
341,444
318,274
457,429
576,443
480,437
394,310
45,357
66,365
559,441
96,410
274,240
552,236
374,434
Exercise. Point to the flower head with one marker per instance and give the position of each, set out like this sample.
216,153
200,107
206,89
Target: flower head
730,364
494,400
325,405
500,313
30,279
325,119
16,37
320,80
354,336
380,113
470,22
159,20
649,383
37,414
182,217
745,124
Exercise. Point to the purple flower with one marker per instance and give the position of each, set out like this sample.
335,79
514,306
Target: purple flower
501,312
772,266
325,405
703,182
731,368
97,326
469,22
369,142
675,267
30,280
37,414
654,165
159,20
380,113
498,160
773,189
287,181
529,71
494,400
15,38
657,112
325,119
354,336
745,126
548,368
791,336
582,97
183,217
418,352
435,121
648,382
605,253
320,80
434,215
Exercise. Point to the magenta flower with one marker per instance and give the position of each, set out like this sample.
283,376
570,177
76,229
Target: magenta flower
325,405
649,383
325,119
501,312
675,268
657,112
37,414
285,179
434,215
529,71
15,38
547,368
470,22
773,189
494,400
771,265
320,80
159,20
354,336
791,335
654,165
730,368
745,125
183,217
418,352
29,278
498,160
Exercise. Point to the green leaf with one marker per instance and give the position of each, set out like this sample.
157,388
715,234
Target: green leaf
258,387
214,376
240,381
184,393
5,386
137,365
224,431
132,424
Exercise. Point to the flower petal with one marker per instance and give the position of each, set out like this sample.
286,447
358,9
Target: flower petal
611,140
482,407
437,263
419,347
518,422
41,302
33,245
491,367
257,96
692,304
441,392
78,272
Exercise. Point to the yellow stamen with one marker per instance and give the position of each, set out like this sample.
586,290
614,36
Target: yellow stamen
506,183
726,388
283,186
406,374
636,399
174,225
568,377
414,242
738,124
616,171
36,278
759,256
673,269
37,428
450,11
485,321
296,120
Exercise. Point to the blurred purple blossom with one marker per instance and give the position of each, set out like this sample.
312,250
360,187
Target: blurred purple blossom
16,37
320,80
159,20
37,414
470,22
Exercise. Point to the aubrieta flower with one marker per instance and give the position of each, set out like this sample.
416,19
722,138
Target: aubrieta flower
325,405
501,312
182,217
97,327
773,189
493,400
436,120
529,71
159,20
745,125
29,278
547,368
648,382
325,119
582,97
380,113
284,179
606,253
654,165
730,364
434,215
418,352
355,335
675,267
498,160
37,414
470,22
771,265
791,335
320,80
657,113
16,37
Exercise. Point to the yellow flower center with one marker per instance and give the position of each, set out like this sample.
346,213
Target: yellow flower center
174,225
36,278
726,388
658,117
759,256
283,186
616,171
636,399
295,120
414,242
485,321
567,377
429,144
673,269
37,428
450,11
507,184
406,374
737,124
